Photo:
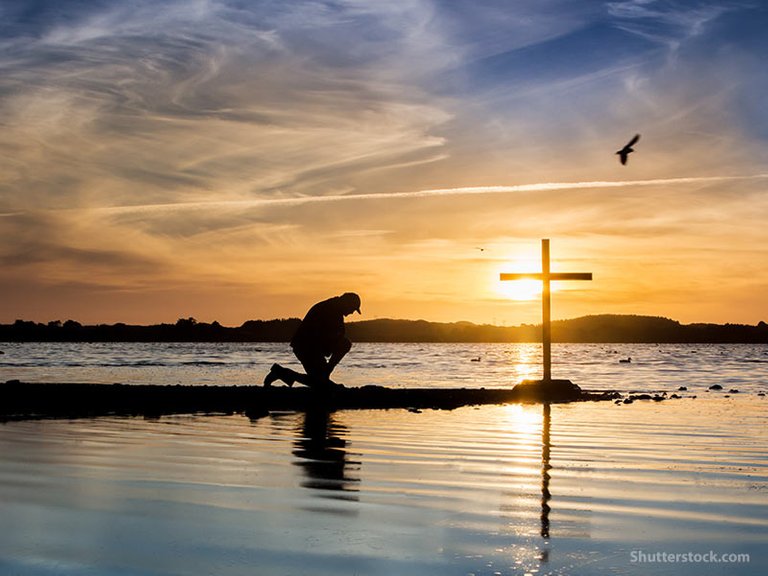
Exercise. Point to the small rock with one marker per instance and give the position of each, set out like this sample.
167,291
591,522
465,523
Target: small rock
675,396
733,391
761,393
682,388
628,400
715,387
658,398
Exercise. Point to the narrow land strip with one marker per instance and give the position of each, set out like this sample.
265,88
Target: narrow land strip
20,400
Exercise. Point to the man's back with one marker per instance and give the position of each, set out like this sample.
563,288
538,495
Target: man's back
322,326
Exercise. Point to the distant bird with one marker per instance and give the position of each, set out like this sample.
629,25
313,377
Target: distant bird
624,152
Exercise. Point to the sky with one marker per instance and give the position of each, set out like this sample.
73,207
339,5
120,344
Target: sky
232,160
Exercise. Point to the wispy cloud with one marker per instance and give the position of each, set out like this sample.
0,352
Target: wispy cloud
177,99
669,23
459,191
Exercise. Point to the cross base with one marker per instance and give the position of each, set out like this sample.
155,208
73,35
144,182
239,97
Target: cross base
548,391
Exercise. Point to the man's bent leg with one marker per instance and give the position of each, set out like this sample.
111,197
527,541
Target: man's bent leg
289,377
315,365
278,372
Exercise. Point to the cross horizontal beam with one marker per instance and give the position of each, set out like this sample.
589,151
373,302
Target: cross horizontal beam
551,276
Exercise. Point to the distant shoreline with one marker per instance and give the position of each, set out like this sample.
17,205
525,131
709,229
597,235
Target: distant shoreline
606,328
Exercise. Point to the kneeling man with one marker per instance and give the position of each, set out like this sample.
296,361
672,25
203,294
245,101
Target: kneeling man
319,343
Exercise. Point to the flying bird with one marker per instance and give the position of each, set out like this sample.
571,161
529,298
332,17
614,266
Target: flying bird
624,152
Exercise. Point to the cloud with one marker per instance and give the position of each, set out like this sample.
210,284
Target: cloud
668,23
48,248
231,205
179,99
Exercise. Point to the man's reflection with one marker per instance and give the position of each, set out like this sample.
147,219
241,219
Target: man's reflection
321,453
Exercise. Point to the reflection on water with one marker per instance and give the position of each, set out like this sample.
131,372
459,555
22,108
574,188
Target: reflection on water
525,362
545,468
321,451
497,490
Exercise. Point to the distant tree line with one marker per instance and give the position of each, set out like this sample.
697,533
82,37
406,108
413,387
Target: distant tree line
184,330
600,328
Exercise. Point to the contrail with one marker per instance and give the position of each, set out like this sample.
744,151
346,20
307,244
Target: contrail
461,191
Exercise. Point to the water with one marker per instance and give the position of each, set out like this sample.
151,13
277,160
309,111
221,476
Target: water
588,488
594,366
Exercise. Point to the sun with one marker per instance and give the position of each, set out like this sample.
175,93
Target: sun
520,290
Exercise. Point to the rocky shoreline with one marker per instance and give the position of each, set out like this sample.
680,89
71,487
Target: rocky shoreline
20,401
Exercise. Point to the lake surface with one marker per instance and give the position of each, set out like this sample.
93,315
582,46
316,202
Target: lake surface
676,487
594,366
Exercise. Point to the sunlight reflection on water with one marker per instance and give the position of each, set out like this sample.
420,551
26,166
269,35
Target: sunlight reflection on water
491,490
592,366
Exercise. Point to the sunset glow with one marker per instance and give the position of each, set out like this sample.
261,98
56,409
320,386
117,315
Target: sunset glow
521,290
233,161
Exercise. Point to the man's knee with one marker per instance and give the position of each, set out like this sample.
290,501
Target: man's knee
338,351
341,347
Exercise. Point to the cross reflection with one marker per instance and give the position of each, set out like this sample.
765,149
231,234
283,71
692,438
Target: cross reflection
545,468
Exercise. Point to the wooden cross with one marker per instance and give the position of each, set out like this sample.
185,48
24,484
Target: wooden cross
546,277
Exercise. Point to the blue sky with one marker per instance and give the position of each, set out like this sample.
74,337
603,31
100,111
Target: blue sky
163,159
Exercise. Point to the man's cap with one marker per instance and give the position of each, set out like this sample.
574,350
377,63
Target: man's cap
353,300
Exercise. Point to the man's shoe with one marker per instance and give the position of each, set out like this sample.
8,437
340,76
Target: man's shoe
274,374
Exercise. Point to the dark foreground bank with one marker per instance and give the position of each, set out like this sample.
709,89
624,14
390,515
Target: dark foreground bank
20,400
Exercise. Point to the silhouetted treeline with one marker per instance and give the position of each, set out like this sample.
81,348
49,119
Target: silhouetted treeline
184,330
602,328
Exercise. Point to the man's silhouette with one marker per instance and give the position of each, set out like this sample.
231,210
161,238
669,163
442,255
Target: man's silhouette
319,343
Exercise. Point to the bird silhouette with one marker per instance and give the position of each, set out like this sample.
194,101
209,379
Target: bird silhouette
624,152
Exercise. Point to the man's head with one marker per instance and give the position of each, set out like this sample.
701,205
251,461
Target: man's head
350,303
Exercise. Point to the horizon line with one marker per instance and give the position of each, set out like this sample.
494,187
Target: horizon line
627,315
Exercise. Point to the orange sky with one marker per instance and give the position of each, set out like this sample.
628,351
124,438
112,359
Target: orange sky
232,163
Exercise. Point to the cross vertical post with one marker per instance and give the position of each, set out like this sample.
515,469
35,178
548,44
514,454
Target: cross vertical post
546,277
546,311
